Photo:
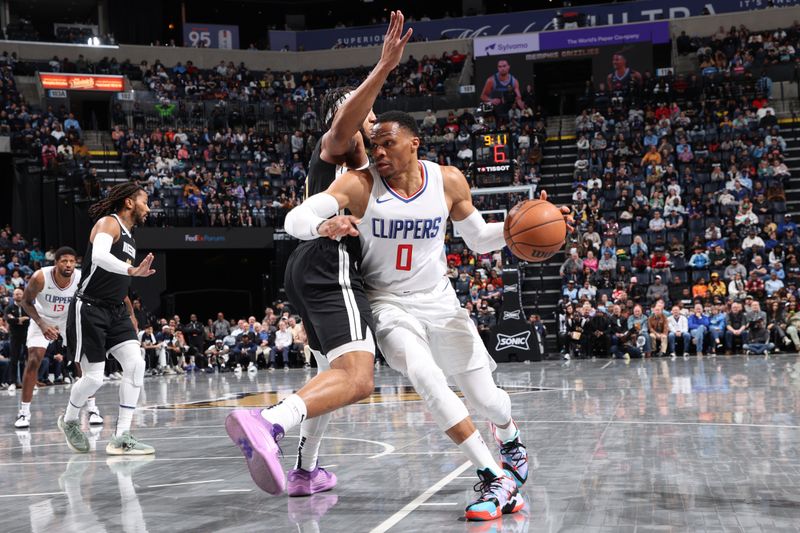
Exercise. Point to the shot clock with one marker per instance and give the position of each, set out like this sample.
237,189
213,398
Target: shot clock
494,158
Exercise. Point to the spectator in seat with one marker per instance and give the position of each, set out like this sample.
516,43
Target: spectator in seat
699,259
657,291
716,287
773,284
283,342
700,289
793,327
217,355
221,327
659,331
244,353
734,268
755,286
736,328
758,340
608,263
678,329
660,263
597,329
718,323
638,318
698,323
636,293
72,124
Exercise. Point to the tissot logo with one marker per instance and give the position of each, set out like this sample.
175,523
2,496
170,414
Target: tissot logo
519,340
511,315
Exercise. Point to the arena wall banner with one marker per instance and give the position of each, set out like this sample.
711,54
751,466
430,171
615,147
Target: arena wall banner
520,22
203,238
633,42
200,35
82,82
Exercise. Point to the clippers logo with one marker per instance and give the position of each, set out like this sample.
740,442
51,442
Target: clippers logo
520,341
511,315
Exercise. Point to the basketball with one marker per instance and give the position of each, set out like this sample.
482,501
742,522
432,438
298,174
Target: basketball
535,230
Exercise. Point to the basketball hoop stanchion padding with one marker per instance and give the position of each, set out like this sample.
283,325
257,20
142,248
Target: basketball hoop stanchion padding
513,339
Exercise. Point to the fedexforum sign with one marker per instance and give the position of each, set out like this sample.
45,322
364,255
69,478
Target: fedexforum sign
520,22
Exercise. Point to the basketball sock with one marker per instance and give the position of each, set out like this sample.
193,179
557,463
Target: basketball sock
72,412
311,432
477,452
124,420
287,413
507,434
90,405
25,408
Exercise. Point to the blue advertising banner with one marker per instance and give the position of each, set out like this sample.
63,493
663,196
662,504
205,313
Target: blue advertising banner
198,35
520,22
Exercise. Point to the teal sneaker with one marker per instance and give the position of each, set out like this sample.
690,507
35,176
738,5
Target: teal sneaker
126,444
76,439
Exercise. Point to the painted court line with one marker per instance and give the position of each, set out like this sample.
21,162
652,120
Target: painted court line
607,364
31,494
393,520
235,490
184,483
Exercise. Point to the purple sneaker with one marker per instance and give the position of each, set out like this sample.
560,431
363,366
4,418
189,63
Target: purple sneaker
258,440
305,483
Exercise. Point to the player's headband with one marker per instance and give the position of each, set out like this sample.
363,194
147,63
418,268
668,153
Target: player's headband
337,105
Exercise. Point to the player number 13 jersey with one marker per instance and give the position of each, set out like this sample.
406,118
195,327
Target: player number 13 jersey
402,238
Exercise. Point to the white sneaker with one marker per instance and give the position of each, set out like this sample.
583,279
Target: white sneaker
285,368
673,355
12,388
117,375
67,380
23,421
94,418
169,370
252,369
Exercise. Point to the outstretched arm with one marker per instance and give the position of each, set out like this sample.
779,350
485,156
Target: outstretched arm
354,110
315,216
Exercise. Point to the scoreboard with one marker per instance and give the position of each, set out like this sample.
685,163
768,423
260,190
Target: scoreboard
494,159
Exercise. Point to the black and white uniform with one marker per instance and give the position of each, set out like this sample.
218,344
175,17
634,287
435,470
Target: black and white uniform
98,320
323,282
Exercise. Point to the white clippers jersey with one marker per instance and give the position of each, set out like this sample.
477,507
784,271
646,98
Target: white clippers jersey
53,302
402,239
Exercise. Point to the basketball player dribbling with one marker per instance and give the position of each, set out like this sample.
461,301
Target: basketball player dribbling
46,300
400,208
100,320
323,282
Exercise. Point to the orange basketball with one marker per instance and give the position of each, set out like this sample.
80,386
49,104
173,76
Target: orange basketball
535,230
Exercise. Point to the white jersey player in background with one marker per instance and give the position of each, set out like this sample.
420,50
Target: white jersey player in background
46,300
400,209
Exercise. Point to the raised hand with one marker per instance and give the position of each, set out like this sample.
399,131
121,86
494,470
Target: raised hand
394,41
568,218
143,270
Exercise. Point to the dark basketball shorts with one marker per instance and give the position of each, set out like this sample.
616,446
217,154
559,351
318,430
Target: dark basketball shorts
324,285
93,330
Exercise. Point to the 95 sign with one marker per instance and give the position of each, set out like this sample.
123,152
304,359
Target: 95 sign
200,35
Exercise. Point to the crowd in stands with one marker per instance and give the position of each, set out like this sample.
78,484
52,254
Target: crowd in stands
737,50
684,242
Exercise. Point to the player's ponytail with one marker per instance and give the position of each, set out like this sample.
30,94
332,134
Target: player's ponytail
114,201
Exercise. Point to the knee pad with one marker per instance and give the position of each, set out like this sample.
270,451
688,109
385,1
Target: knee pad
93,372
445,407
132,363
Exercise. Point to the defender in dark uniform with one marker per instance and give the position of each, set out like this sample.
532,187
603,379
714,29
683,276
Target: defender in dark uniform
100,320
323,283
